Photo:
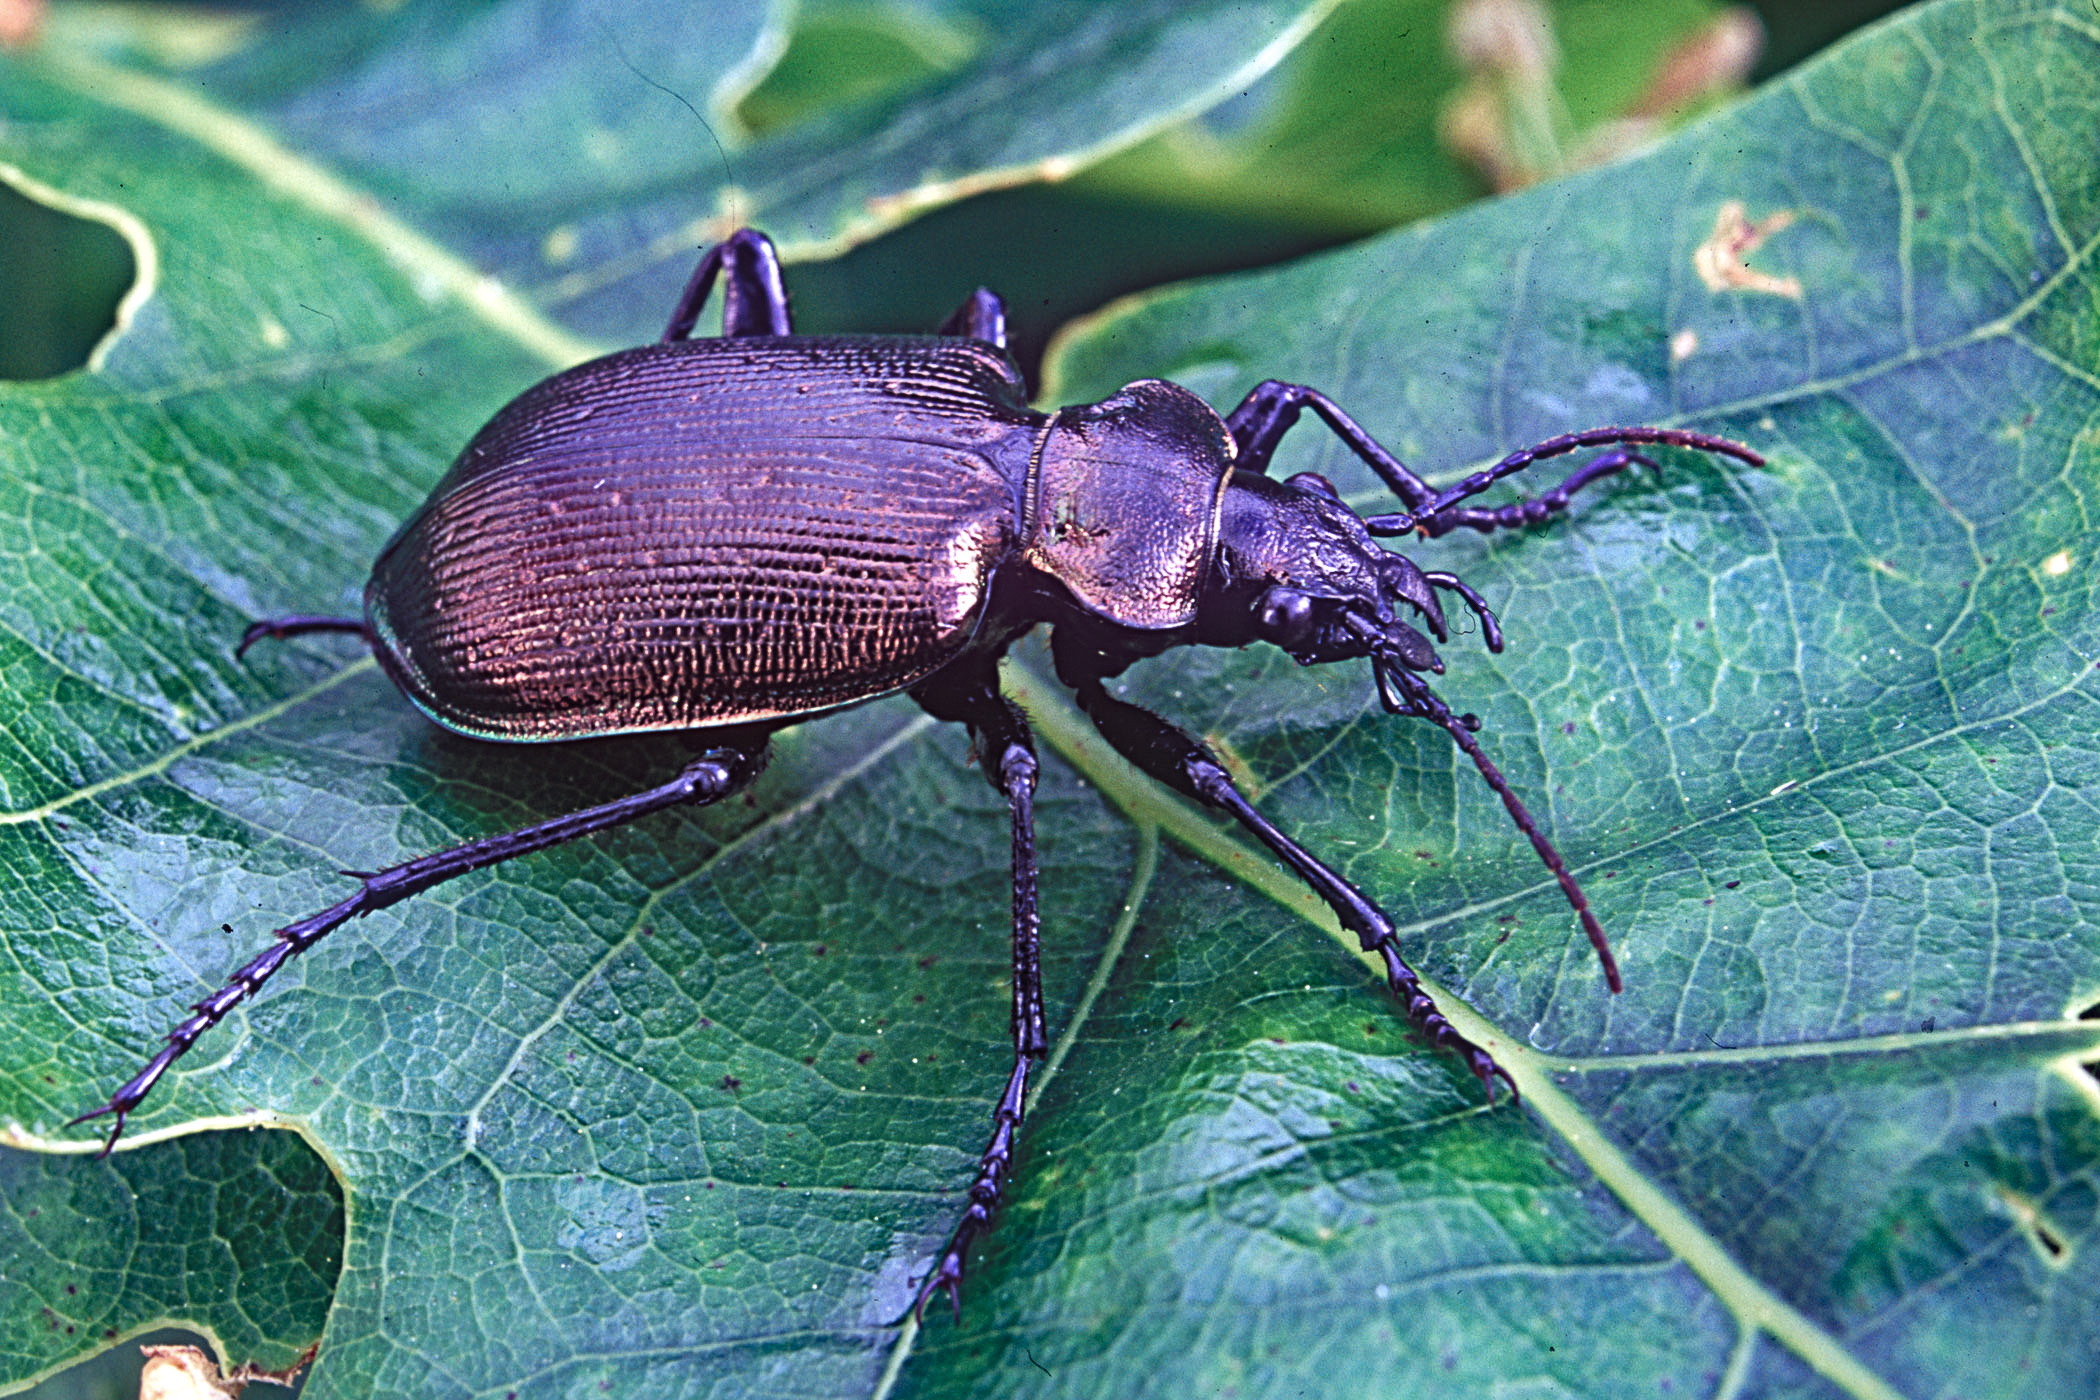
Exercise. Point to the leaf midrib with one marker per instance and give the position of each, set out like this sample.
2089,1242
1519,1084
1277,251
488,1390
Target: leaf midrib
1755,1307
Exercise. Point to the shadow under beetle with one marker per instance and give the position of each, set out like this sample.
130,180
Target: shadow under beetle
736,534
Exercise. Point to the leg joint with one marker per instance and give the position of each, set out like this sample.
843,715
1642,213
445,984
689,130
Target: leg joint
1018,767
1209,779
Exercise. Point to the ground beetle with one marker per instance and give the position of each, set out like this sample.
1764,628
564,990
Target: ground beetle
732,535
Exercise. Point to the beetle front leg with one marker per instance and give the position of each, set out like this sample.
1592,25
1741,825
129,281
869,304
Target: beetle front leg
1442,513
1179,760
1532,510
714,775
754,298
1272,409
1006,753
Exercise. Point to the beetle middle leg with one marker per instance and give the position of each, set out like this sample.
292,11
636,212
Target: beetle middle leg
1178,759
754,299
720,771
1006,753
982,316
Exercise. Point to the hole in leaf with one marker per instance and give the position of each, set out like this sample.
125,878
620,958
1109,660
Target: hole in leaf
2041,1232
2046,1238
2091,1013
61,277
117,1370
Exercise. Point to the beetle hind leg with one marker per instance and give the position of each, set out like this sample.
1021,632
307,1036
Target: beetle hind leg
714,775
1006,753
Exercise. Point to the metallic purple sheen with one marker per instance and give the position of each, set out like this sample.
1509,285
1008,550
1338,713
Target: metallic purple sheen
708,532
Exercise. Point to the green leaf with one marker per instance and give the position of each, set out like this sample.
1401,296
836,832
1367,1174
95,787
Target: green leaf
689,1107
100,1250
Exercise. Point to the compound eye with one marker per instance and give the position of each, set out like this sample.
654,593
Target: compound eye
1284,616
1315,483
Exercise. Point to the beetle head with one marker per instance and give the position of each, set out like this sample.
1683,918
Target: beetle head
1297,568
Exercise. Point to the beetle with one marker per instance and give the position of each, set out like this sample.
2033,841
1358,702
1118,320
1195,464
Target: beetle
734,534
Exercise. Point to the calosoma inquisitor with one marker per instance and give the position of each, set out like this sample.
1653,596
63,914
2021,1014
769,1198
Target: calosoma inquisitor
732,535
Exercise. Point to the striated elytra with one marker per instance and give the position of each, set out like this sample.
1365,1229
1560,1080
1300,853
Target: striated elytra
735,534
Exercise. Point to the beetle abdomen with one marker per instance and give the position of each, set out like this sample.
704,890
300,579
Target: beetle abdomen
708,532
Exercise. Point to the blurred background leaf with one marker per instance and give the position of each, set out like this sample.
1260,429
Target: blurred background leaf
1340,139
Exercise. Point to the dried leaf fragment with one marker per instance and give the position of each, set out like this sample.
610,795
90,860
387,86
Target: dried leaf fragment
1722,260
186,1373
